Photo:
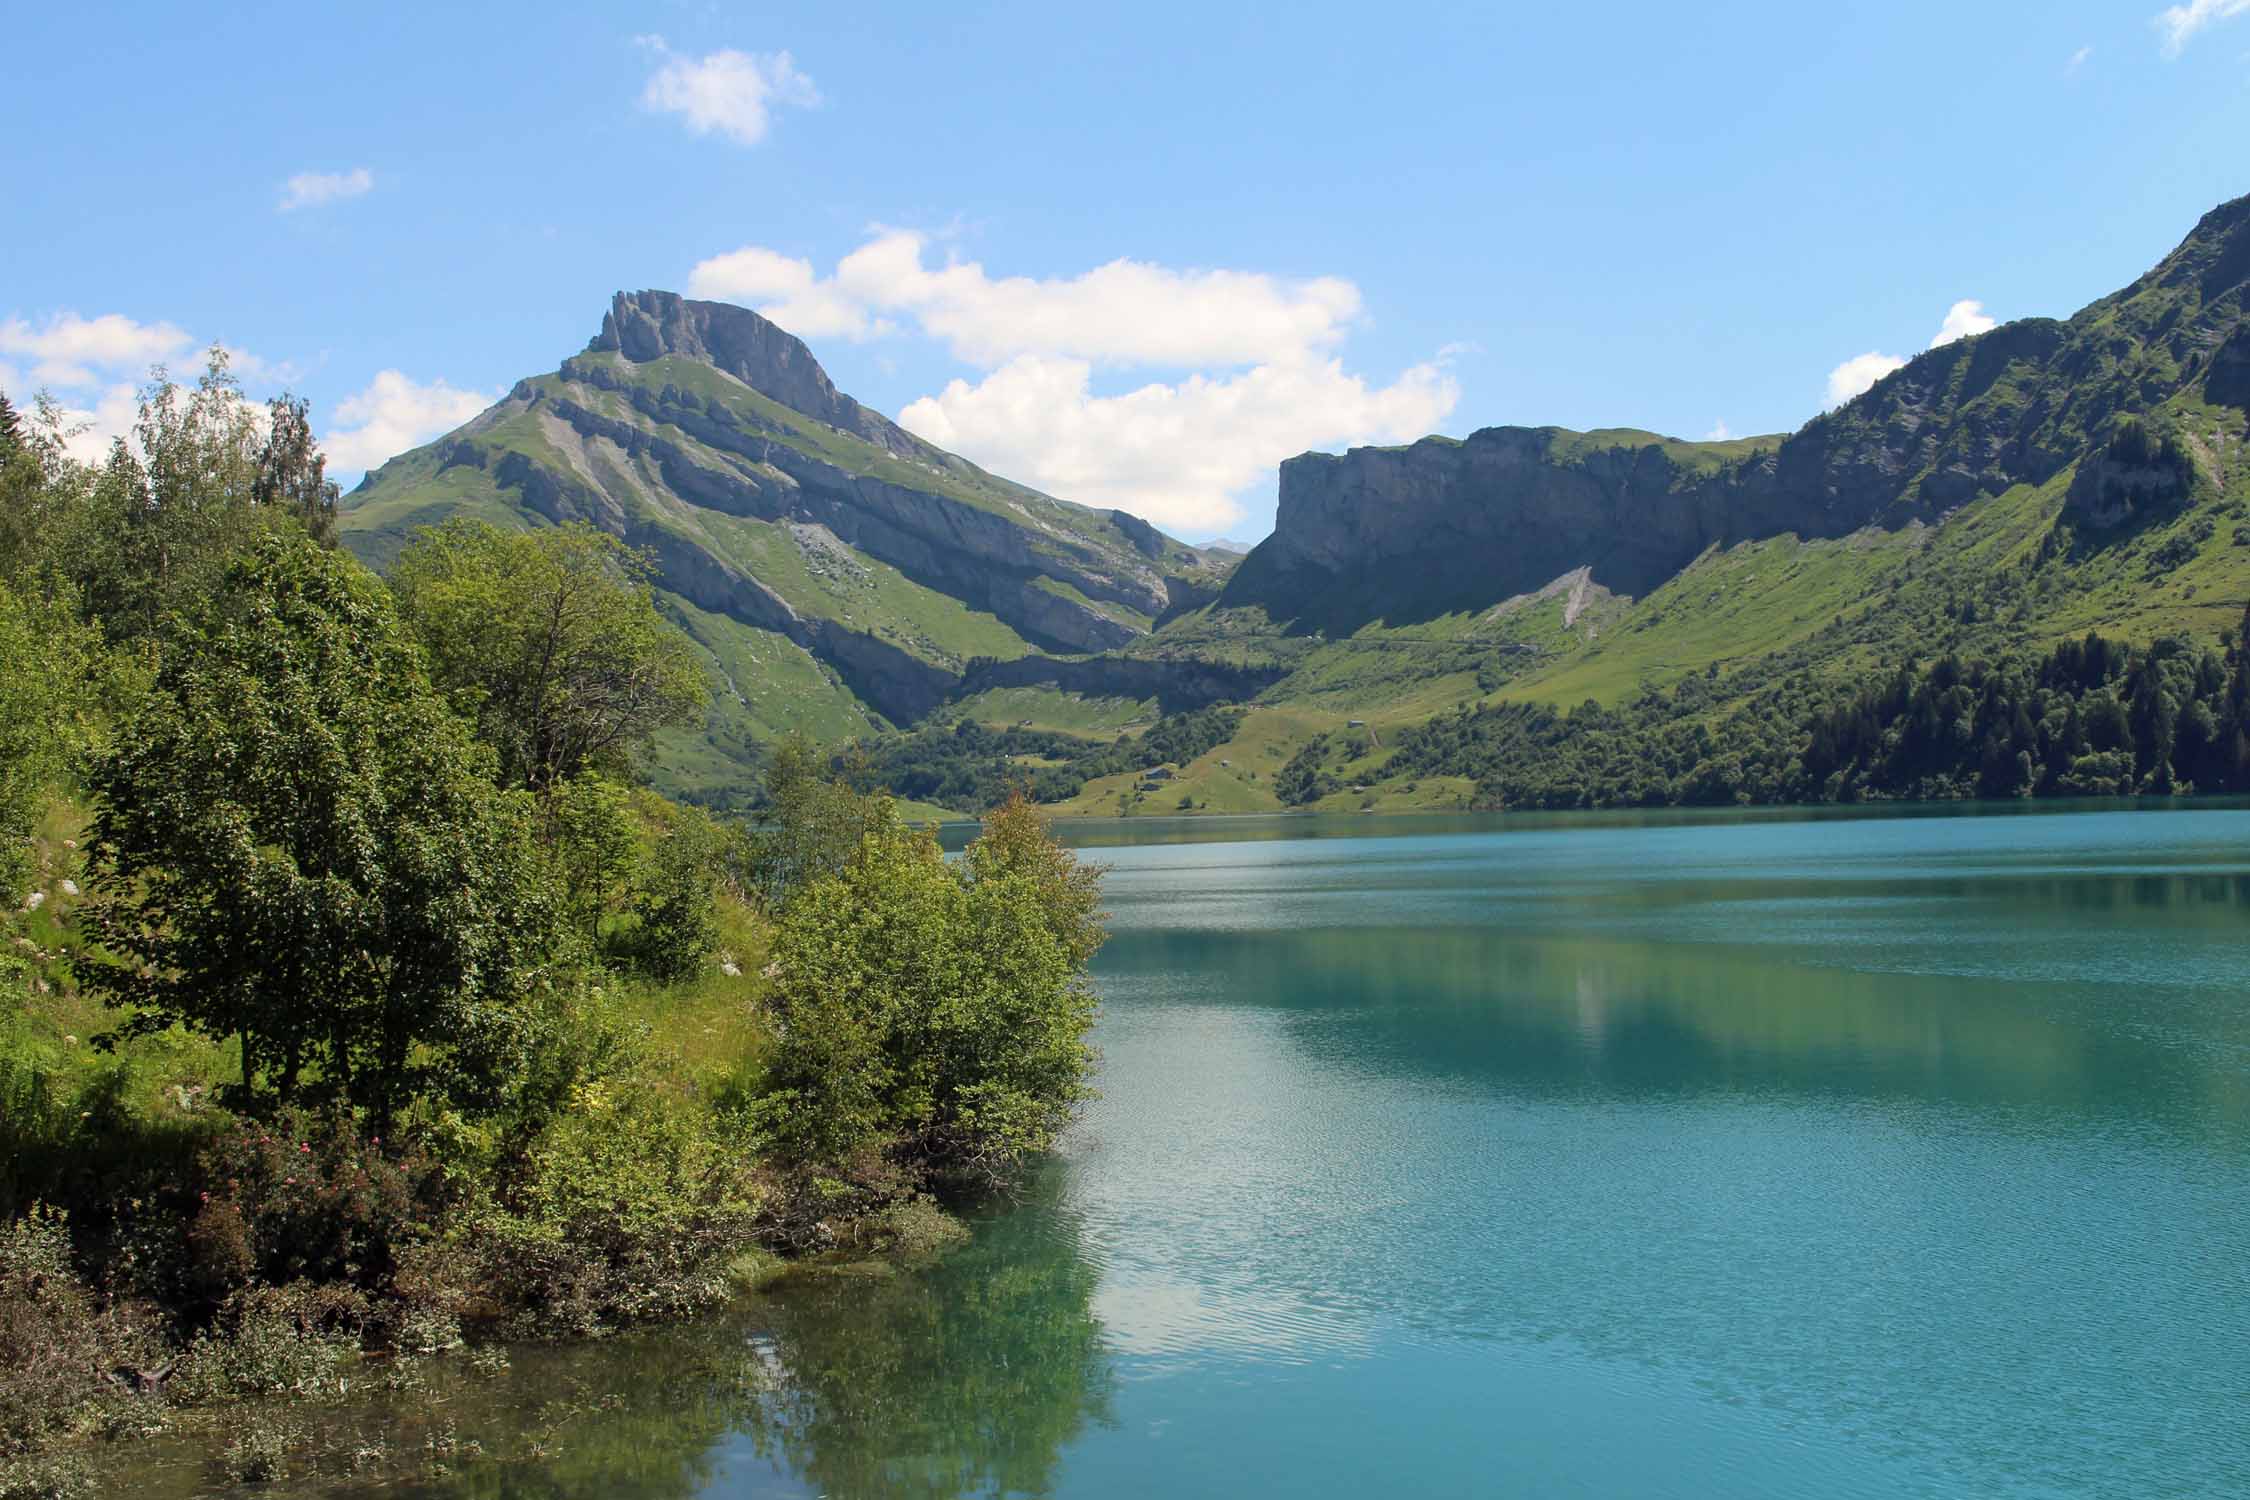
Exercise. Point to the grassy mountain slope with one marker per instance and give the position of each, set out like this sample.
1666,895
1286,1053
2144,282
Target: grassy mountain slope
1996,495
840,574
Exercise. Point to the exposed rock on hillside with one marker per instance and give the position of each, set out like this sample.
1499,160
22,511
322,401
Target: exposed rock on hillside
1406,534
714,439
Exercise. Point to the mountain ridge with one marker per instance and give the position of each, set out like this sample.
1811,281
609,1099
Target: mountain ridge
778,510
2048,474
1404,533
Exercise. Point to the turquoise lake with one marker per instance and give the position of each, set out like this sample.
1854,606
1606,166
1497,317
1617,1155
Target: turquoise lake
1609,1156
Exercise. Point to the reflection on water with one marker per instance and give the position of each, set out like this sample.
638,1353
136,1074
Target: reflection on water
1600,1156
968,1379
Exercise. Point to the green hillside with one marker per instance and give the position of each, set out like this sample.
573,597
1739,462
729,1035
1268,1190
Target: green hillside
1993,499
840,575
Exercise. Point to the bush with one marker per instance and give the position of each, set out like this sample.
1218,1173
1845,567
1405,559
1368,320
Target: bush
271,1341
678,904
57,1342
937,1011
306,1197
626,1208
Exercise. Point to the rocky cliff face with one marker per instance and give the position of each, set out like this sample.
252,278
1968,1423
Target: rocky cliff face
1405,534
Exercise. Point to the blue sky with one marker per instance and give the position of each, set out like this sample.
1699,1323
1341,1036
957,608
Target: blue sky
1337,223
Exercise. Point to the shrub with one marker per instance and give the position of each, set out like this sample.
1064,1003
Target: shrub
625,1208
259,1452
936,1010
306,1197
57,1341
678,903
271,1341
58,1476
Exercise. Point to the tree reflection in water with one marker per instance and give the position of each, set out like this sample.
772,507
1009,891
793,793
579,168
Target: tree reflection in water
967,1377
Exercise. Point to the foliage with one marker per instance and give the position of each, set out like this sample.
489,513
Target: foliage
815,824
2090,717
47,664
306,1197
967,765
627,1207
937,1011
50,1338
292,476
550,641
1301,779
678,902
297,814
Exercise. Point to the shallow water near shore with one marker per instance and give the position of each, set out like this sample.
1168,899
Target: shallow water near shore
1744,1155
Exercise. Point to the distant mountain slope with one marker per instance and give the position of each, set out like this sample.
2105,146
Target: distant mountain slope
1404,534
839,571
1994,496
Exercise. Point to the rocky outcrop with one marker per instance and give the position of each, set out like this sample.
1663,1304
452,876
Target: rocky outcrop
2227,382
1178,685
975,554
649,325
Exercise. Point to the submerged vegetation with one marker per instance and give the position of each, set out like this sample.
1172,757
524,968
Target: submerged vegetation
357,997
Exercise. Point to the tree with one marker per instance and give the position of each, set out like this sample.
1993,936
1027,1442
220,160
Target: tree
937,1011
46,659
292,474
297,845
588,830
678,901
815,823
550,641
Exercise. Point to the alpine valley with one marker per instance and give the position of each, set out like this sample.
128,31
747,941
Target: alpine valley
1895,600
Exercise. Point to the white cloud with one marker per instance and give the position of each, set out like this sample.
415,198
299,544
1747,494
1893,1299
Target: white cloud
312,189
1719,433
1123,313
72,351
2179,23
1177,453
1857,375
1963,320
92,428
392,415
787,291
728,93
1258,375
2078,61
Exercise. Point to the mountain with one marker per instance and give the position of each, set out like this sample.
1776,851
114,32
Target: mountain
1403,534
841,574
1993,496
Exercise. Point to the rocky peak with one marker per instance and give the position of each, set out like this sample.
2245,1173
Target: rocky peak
648,325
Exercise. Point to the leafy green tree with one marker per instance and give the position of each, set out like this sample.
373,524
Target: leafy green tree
679,899
297,845
170,513
588,830
46,661
815,823
551,642
292,475
937,1011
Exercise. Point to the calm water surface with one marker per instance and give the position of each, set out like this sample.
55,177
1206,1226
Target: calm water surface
1600,1157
